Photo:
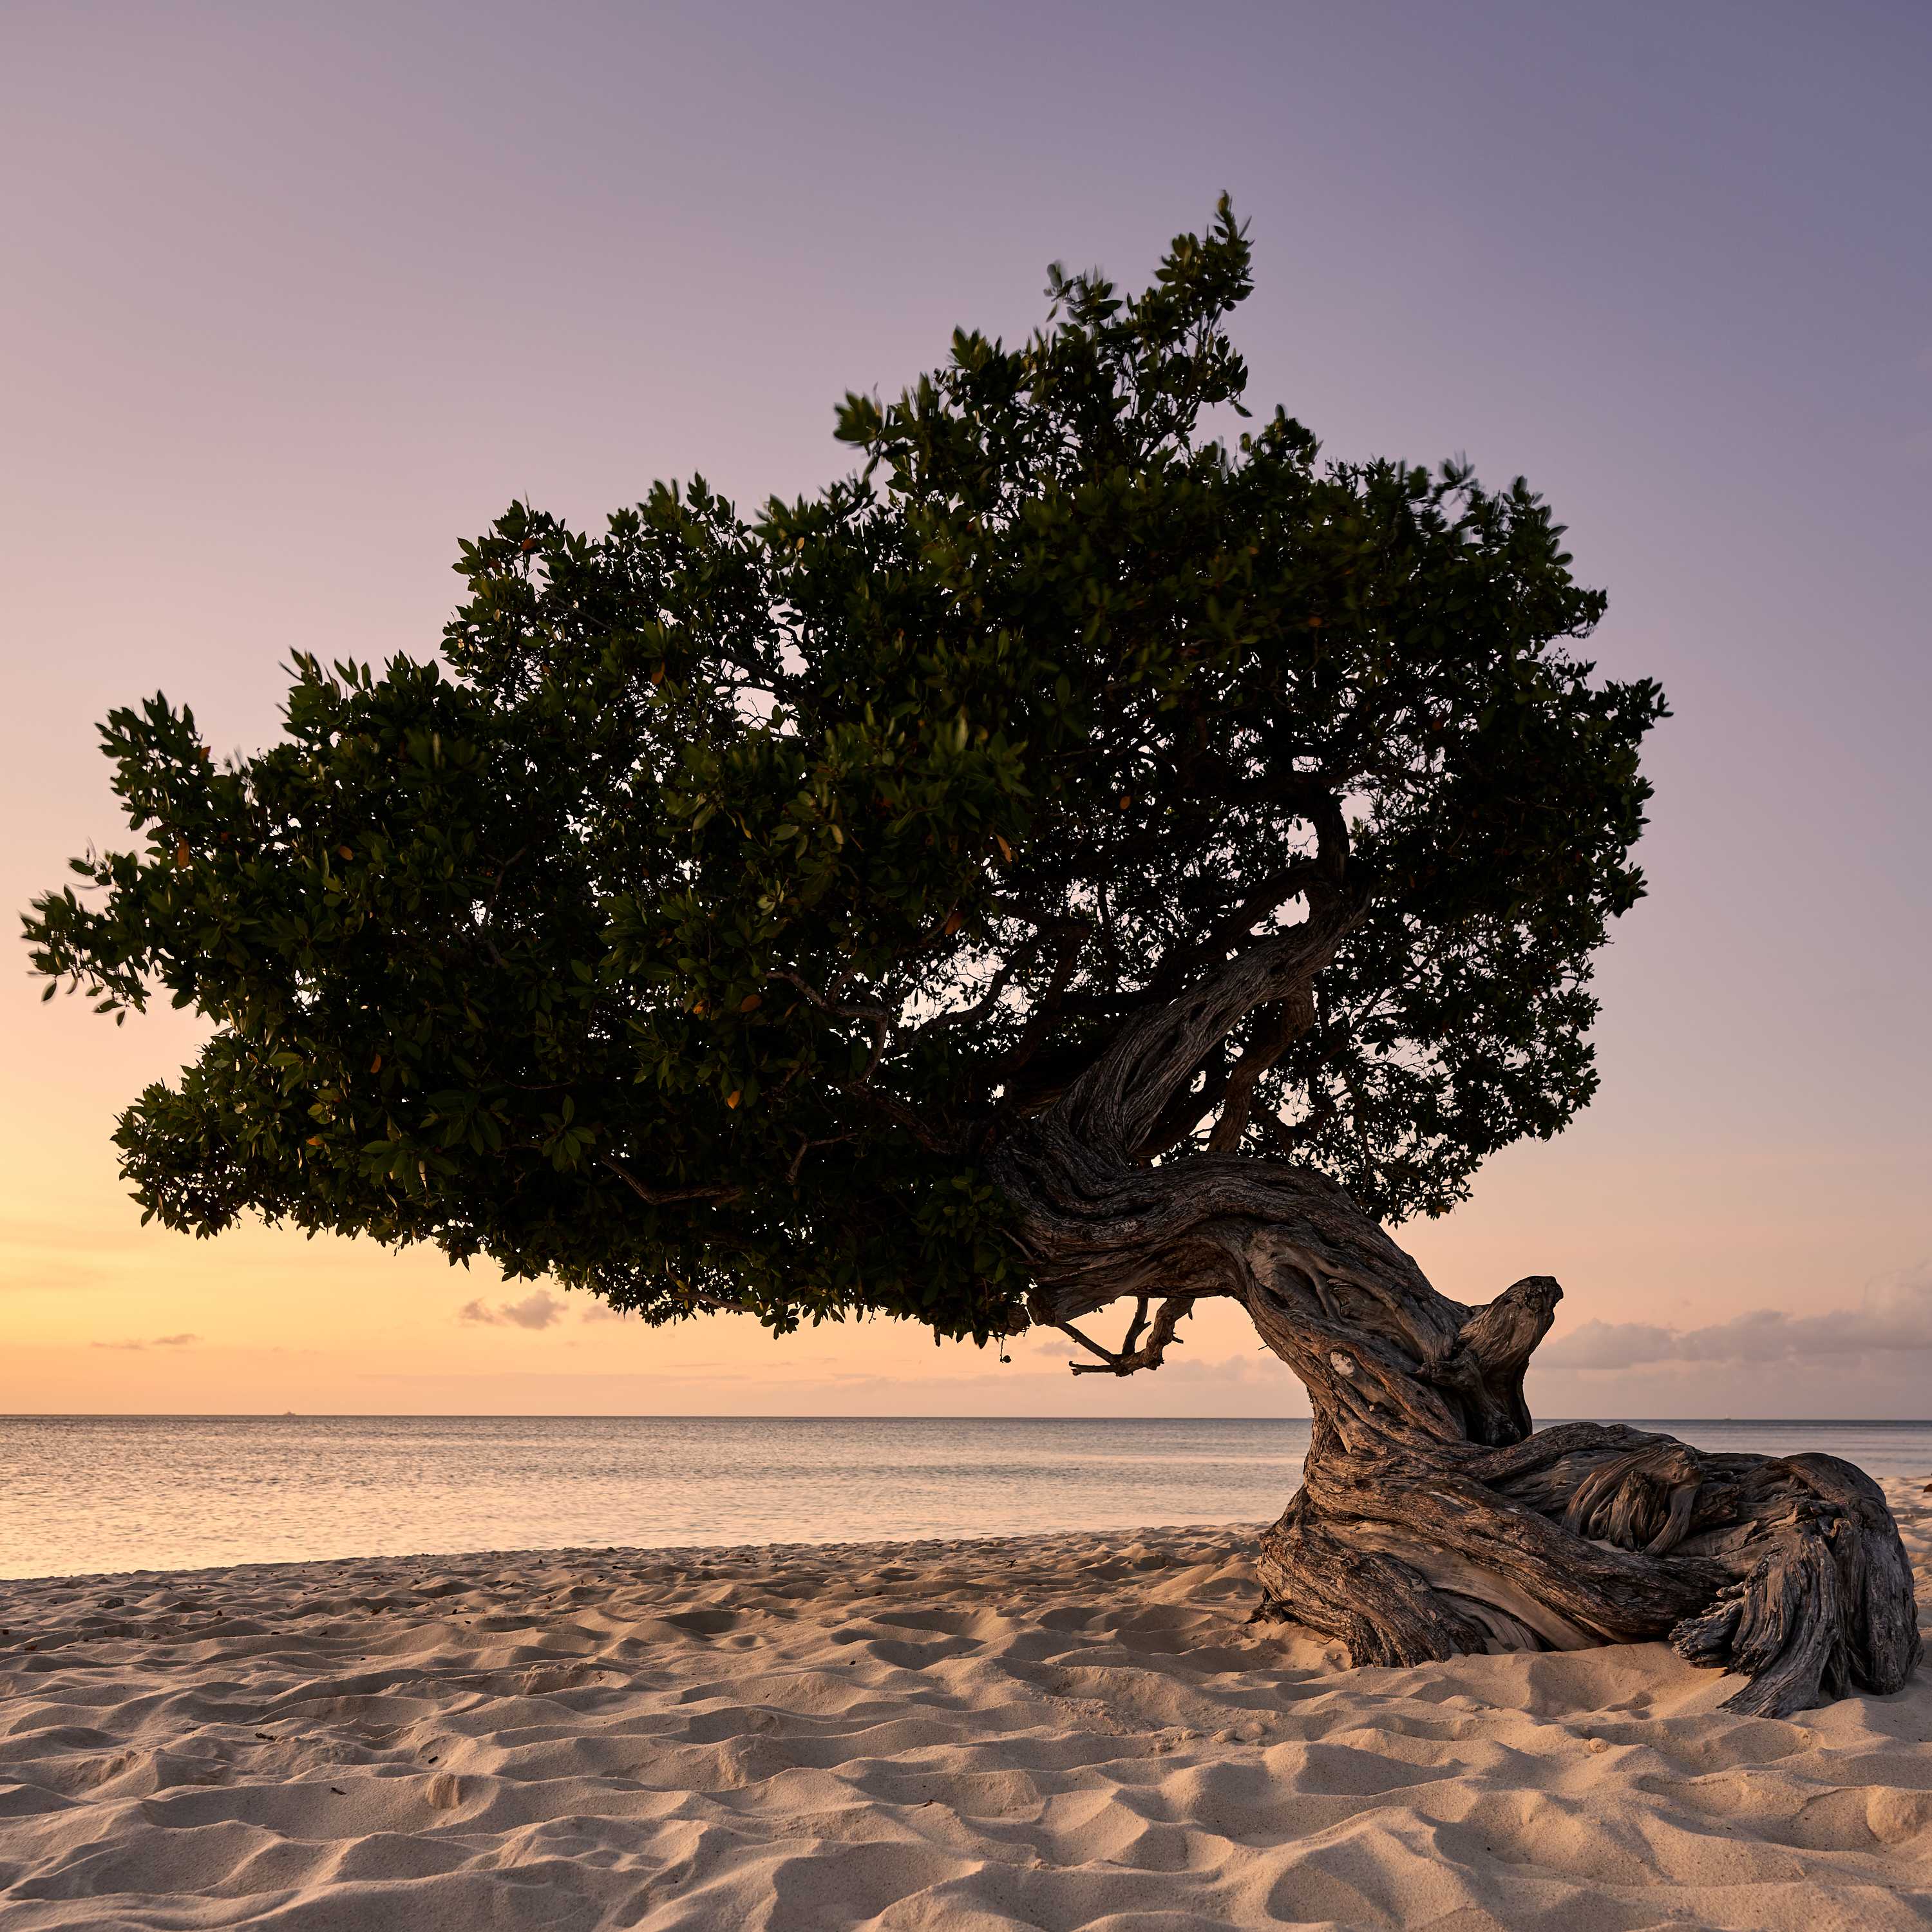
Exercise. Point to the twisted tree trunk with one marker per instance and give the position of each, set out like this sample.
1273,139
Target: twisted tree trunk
1431,1520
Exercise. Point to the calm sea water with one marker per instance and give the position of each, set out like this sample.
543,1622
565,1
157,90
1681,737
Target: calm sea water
81,1494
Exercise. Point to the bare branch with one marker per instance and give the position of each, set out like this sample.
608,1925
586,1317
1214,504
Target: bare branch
838,1009
1127,1359
879,1018
1086,1342
892,1108
806,1146
659,1197
986,1002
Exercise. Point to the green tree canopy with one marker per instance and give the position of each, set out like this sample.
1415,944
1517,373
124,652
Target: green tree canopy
697,928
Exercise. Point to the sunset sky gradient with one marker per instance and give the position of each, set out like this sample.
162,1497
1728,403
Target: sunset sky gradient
297,296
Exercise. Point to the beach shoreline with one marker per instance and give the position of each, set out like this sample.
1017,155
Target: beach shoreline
1052,1730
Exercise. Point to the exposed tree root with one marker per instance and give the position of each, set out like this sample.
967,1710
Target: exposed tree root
1788,1570
1432,1521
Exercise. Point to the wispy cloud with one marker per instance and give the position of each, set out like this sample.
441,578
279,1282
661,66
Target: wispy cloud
1894,1319
157,1342
538,1309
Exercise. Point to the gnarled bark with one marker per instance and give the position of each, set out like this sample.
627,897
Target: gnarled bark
1431,1520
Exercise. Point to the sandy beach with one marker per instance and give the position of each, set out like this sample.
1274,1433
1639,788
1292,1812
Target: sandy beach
1051,1732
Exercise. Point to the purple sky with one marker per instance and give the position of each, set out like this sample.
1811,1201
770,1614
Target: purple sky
296,297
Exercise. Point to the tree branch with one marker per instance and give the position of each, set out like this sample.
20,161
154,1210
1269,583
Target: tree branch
659,1197
879,1018
838,1009
1117,1100
1236,927
1185,1109
892,1108
1277,1028
1127,1359
1073,934
987,1000
807,1145
1321,1108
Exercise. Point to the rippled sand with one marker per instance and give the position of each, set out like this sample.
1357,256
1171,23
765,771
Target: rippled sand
1054,1732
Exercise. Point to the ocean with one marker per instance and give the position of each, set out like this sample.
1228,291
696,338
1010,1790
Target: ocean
82,1495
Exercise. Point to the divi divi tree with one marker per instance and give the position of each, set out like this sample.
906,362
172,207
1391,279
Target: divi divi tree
1097,858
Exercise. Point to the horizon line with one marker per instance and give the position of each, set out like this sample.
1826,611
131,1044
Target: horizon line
581,1415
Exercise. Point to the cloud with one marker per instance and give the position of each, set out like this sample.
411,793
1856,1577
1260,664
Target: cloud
602,1311
538,1309
1895,1318
159,1342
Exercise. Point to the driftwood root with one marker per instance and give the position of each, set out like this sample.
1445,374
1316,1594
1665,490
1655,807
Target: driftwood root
1788,1571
